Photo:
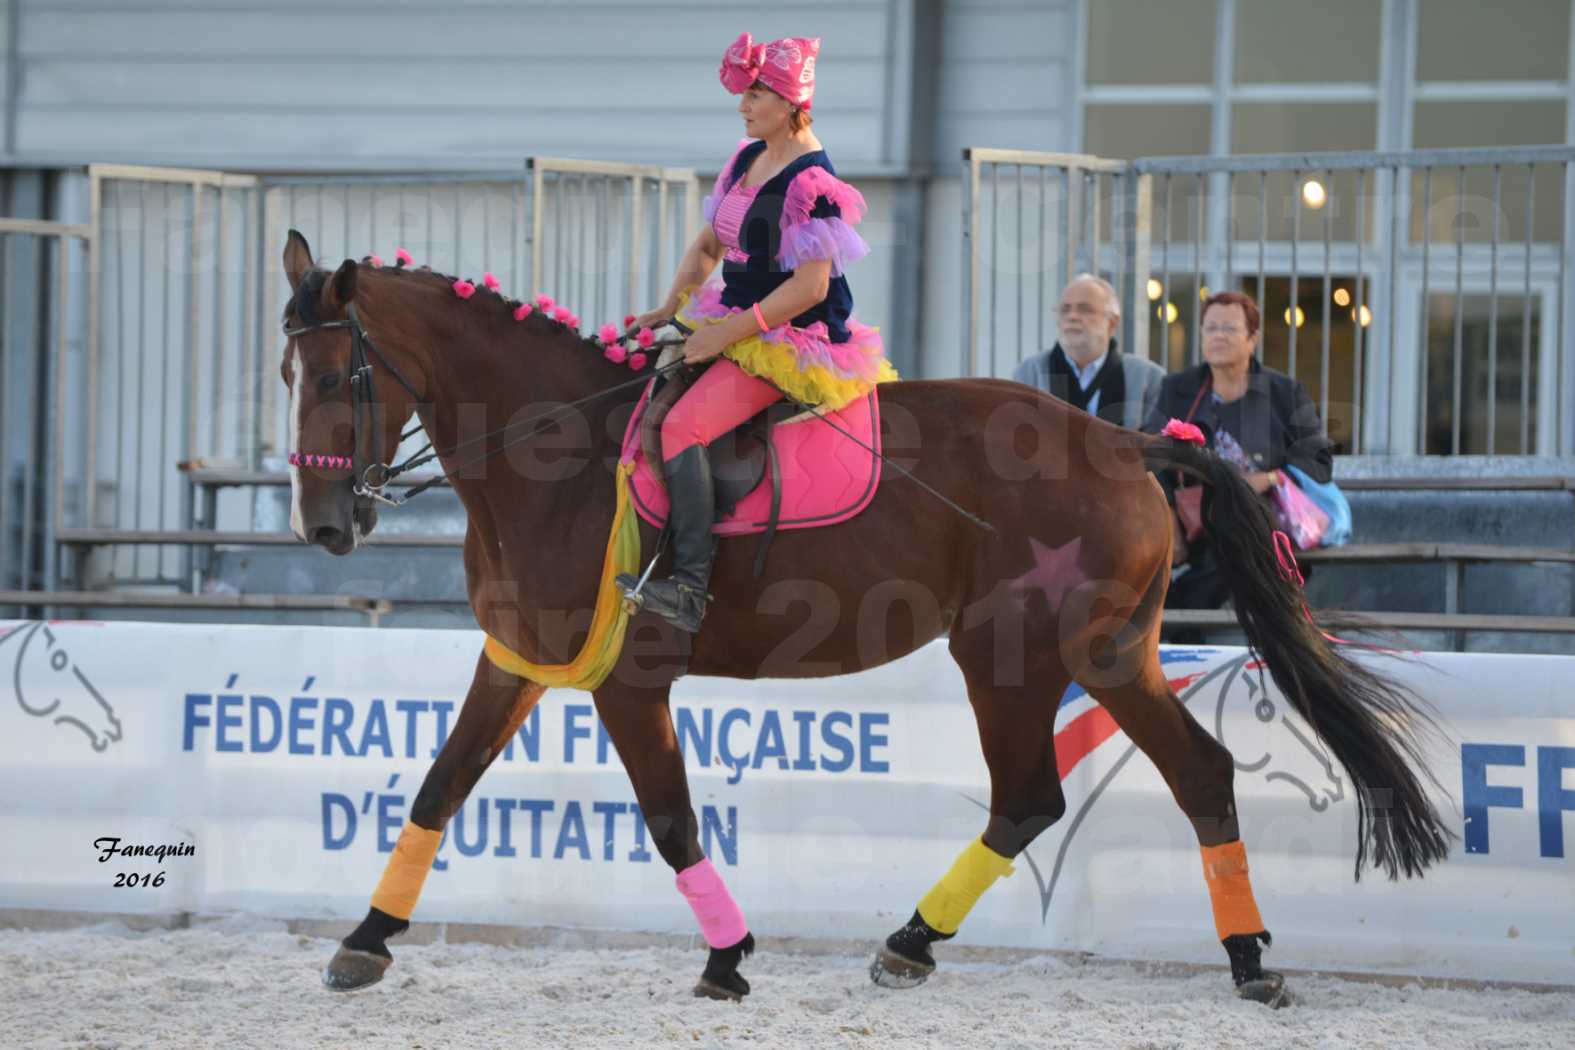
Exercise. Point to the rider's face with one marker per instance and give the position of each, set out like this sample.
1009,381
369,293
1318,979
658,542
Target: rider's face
765,112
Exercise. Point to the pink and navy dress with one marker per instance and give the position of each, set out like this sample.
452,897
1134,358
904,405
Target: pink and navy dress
823,357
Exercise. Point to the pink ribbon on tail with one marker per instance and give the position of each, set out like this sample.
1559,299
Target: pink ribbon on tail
1290,572
1188,432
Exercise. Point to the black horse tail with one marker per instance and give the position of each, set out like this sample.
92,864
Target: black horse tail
1374,726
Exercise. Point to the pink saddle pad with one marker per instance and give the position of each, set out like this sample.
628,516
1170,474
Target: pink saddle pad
826,478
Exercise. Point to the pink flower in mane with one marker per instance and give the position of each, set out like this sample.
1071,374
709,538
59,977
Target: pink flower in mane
608,333
544,302
561,314
637,361
616,354
492,283
645,337
374,261
522,311
628,319
464,289
402,258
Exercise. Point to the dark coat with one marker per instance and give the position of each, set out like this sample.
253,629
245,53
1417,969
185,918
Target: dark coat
1279,418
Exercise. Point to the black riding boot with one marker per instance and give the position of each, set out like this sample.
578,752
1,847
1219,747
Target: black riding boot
681,599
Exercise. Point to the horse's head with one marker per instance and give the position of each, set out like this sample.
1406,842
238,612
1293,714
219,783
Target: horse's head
1264,736
330,445
50,685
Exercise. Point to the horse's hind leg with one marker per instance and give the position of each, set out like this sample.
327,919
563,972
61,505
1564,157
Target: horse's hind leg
494,709
1016,731
641,728
1199,771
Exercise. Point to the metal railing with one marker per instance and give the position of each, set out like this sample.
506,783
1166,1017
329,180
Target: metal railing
1054,219
183,300
1424,297
41,305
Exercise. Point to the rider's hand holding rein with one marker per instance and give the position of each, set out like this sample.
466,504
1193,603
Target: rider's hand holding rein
803,290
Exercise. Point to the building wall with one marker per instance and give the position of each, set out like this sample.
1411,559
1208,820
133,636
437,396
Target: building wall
471,82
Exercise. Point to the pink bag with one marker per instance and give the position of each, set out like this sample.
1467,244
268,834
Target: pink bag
1303,519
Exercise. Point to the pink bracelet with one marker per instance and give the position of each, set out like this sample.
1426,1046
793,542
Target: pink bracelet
760,319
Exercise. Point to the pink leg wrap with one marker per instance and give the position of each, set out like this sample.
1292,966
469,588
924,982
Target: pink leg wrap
723,397
721,920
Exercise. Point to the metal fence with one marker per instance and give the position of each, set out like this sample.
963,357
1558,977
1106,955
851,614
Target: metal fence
42,300
1424,297
185,301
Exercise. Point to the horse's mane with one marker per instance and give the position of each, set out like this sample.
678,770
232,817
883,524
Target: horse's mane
502,306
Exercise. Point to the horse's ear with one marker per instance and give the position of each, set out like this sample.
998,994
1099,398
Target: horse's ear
297,258
341,287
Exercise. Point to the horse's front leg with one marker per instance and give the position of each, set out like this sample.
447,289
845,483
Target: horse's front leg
641,727
494,709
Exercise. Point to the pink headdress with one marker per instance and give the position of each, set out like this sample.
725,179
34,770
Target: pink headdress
786,66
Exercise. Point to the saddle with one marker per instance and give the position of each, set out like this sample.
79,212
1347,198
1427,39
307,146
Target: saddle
785,468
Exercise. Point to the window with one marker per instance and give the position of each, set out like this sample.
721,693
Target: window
1513,363
1441,125
1143,42
1501,40
1293,41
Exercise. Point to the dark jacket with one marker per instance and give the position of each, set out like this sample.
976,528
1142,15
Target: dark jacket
1280,423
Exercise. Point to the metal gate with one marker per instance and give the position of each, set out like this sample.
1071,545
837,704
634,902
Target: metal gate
1424,297
42,300
183,304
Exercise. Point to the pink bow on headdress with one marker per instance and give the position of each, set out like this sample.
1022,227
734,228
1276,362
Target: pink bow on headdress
786,66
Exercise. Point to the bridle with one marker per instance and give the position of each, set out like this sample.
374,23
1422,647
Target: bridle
369,481
366,481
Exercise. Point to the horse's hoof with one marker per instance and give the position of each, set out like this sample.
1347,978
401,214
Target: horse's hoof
890,970
350,969
730,993
1268,990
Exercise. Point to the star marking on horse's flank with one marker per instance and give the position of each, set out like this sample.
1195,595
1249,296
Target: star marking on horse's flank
1054,572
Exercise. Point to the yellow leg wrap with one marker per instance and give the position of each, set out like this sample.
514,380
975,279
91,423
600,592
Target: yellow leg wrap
951,899
407,870
1230,890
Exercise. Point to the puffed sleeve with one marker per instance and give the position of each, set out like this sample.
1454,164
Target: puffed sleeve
818,216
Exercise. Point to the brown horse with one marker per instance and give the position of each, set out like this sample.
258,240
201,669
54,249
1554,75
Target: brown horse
1068,587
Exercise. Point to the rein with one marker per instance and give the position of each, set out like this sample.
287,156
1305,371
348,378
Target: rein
370,481
376,476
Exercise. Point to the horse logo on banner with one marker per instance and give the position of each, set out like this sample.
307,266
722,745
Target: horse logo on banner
49,684
1269,744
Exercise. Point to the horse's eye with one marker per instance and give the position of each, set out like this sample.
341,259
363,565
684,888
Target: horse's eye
329,383
1264,709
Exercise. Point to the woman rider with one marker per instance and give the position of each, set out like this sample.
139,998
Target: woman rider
781,318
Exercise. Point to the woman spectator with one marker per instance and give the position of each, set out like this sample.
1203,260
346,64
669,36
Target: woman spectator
1260,419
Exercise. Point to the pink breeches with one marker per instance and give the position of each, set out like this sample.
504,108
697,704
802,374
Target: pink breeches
723,397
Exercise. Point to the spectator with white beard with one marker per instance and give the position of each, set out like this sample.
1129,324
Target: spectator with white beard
1085,368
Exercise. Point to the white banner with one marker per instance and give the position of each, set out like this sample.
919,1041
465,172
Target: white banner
277,764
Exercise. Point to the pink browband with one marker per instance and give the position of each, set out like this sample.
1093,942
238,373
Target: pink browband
304,459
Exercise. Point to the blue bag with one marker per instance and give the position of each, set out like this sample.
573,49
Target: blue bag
1331,501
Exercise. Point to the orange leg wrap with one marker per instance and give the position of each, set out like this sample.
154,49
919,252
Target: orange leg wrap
1230,890
407,870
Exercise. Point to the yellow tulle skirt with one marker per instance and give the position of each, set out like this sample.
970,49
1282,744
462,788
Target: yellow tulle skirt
801,362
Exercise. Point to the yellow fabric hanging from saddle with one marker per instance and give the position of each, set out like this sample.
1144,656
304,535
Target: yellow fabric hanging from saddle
600,651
